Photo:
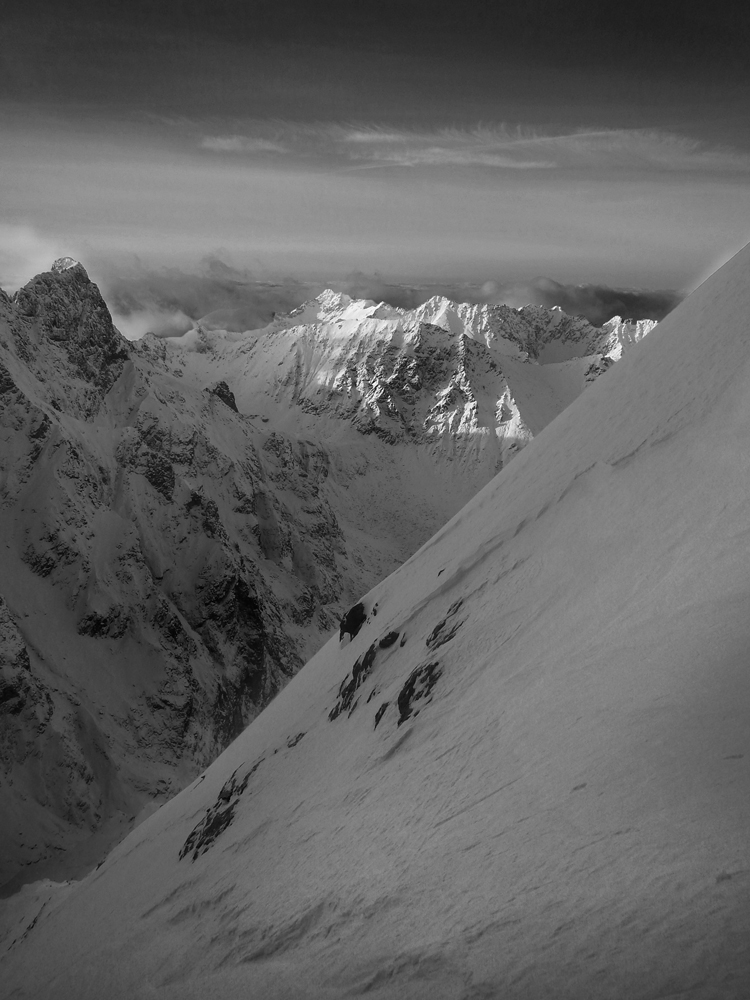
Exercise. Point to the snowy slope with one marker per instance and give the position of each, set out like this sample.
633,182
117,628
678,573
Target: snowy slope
527,775
184,522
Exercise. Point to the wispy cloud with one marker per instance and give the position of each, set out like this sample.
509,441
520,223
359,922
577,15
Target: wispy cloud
597,303
25,252
504,147
169,301
498,147
633,148
482,147
241,144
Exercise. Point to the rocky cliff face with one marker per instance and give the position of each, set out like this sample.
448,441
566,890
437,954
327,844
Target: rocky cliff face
185,521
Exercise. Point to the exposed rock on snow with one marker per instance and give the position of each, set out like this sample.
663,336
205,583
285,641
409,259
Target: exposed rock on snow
186,521
568,814
353,621
222,391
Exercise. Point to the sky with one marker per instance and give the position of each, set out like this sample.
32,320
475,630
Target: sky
413,144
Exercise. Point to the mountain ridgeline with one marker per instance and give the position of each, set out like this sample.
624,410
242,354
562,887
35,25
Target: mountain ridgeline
521,774
185,520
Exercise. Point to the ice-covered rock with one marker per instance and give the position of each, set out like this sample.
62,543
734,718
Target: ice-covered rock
186,520
521,774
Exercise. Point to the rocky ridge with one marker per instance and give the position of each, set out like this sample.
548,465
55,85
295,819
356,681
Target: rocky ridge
184,521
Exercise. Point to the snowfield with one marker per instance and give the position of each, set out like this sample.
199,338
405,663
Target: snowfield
526,777
185,521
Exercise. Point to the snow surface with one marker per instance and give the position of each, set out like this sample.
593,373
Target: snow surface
568,814
185,521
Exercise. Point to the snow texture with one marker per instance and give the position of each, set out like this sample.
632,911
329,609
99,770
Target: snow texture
543,792
185,522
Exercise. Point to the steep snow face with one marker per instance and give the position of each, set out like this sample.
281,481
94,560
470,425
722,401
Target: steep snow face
185,522
525,776
443,372
621,334
545,335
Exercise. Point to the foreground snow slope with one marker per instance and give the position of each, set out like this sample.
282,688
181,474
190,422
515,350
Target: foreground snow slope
184,523
538,789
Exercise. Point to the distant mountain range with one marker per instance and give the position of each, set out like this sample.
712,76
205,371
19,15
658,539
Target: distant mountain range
185,520
522,773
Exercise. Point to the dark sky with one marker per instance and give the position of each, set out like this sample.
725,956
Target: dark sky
584,141
653,63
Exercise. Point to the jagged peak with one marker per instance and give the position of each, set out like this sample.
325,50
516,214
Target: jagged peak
321,307
437,302
620,321
333,300
64,273
63,264
384,310
440,304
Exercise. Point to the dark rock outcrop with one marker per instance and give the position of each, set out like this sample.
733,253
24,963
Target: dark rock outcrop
170,563
352,621
63,311
222,391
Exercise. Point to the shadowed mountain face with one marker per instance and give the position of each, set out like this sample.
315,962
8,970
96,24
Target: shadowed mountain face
525,775
185,521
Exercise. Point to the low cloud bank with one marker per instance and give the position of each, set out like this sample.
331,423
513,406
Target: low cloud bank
404,296
170,301
24,253
597,303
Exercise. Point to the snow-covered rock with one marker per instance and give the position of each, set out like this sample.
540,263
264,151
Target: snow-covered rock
185,521
526,776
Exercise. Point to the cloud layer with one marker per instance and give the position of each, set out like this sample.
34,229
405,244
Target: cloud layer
23,253
498,147
169,301
597,303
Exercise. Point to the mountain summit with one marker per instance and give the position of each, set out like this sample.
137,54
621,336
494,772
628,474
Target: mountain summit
185,521
525,776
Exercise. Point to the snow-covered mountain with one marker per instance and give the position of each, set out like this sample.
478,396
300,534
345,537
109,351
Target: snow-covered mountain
526,776
184,521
